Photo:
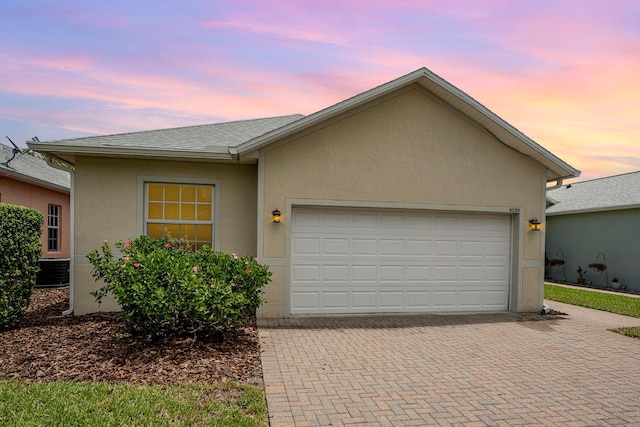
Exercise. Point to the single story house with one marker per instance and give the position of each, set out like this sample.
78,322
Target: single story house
596,222
409,197
28,180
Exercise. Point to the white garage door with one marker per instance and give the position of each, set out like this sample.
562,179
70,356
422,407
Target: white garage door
367,261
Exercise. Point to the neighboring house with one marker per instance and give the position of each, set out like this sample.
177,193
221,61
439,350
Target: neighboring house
600,216
27,180
410,197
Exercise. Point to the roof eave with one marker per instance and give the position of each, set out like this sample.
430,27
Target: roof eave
8,173
594,210
69,152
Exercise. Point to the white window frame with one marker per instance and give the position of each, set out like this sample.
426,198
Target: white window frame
53,223
142,205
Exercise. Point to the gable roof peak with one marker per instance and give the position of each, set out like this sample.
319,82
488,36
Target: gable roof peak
448,93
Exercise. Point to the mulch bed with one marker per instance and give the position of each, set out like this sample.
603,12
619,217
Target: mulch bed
48,347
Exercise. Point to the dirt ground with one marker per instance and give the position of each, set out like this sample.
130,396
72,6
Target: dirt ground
48,347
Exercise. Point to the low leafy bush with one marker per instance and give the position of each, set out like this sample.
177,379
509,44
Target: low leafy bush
164,288
20,230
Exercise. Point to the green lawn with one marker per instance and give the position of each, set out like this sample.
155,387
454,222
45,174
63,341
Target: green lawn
613,303
102,404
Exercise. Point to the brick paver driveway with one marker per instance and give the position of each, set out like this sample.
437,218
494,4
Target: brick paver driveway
472,370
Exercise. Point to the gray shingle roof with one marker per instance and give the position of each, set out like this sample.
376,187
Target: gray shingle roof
610,193
26,167
201,138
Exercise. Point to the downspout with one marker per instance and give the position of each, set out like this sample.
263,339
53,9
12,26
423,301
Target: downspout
69,311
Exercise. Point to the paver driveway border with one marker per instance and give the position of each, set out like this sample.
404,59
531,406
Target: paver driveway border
452,369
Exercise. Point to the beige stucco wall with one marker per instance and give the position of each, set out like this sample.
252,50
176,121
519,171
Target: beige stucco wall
409,149
107,207
32,196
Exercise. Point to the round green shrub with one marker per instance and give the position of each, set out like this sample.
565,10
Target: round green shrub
20,231
166,289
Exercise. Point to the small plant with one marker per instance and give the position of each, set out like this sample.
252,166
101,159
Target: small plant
581,274
164,288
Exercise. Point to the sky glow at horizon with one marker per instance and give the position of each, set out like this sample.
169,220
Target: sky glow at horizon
565,73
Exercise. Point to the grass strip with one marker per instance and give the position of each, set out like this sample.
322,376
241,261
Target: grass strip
613,303
104,404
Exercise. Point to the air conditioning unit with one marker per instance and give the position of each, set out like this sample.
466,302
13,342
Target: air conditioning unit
54,272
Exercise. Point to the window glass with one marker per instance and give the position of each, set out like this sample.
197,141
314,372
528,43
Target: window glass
180,211
53,228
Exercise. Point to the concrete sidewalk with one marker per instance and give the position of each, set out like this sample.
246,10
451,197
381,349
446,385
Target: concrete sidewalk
452,369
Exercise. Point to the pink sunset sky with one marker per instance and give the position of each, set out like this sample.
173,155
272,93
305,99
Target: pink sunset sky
566,73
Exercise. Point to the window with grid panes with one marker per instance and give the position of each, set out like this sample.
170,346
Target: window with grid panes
53,228
180,211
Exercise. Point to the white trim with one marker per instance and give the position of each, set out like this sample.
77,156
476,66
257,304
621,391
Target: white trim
594,210
214,153
72,245
260,210
394,205
543,235
140,205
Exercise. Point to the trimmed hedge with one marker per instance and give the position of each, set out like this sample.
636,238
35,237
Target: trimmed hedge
20,231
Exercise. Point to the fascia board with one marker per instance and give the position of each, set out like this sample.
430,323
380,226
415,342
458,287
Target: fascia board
219,153
8,173
594,210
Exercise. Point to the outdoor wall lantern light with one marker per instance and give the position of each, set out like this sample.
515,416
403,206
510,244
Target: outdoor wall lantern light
534,224
275,215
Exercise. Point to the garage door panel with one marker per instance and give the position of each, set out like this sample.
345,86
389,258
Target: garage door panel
363,299
363,273
392,247
335,247
364,221
333,300
363,247
418,273
418,300
345,261
495,298
393,222
392,299
306,246
306,273
496,273
499,249
444,299
335,273
470,299
309,221
472,249
472,224
445,223
471,273
336,221
391,273
498,224
418,248
443,273
445,248
307,301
